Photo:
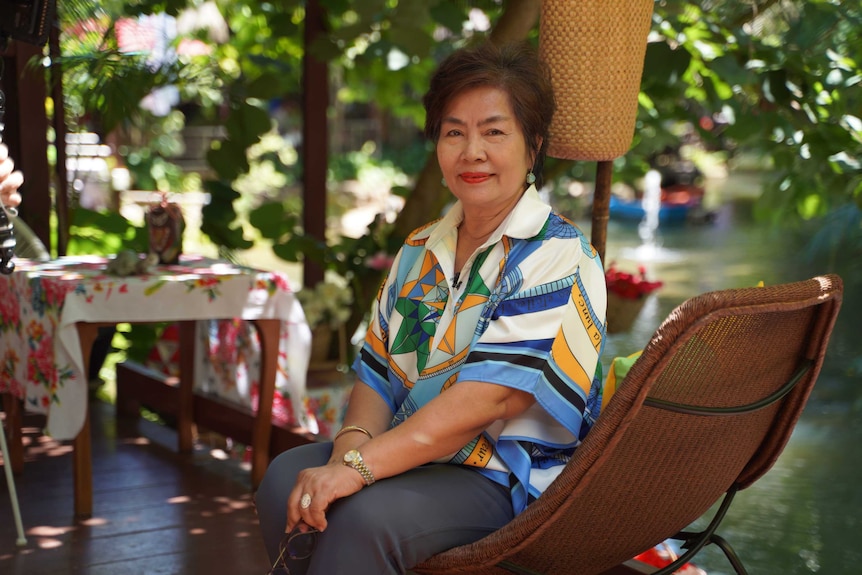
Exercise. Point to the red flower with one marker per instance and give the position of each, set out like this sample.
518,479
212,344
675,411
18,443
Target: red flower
281,281
10,312
629,286
55,291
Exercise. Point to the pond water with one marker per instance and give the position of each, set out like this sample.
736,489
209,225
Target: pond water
804,515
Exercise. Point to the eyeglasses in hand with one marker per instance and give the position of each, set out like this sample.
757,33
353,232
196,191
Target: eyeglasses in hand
296,545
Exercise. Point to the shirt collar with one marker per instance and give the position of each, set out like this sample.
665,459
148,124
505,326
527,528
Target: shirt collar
526,219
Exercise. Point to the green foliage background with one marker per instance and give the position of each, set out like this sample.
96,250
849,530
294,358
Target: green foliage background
775,79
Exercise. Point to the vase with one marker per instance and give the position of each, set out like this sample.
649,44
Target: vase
622,312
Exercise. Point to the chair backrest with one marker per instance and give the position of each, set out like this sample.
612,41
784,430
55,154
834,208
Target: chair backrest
644,472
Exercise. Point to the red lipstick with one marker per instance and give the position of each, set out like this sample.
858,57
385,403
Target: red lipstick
475,177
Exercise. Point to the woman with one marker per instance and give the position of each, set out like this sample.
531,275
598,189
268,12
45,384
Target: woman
501,305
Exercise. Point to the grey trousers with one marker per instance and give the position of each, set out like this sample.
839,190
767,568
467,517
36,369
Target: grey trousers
390,526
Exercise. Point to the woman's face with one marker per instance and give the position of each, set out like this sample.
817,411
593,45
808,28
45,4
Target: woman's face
482,151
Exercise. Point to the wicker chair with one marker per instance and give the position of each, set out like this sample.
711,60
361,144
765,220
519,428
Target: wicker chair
704,412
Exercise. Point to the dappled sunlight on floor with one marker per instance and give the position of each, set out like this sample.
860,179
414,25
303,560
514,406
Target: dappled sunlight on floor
154,510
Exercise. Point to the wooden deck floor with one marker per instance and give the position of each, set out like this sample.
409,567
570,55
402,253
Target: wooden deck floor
154,510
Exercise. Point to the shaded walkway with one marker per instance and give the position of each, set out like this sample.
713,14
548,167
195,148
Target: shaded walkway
154,511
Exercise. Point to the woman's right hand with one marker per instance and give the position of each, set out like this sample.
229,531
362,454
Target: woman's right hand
320,487
10,180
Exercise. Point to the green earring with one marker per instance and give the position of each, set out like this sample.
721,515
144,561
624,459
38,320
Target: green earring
531,178
443,182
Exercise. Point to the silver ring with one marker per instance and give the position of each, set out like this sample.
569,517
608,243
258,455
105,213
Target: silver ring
305,501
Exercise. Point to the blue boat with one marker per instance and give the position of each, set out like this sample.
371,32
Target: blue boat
677,204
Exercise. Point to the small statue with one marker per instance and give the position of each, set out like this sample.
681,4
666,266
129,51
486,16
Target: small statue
165,223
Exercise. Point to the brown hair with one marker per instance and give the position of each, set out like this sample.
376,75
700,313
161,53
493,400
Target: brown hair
515,69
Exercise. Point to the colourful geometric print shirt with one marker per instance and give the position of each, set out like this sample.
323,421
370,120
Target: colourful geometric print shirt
528,313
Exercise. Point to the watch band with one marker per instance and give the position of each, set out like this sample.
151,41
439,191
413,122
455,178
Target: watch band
354,459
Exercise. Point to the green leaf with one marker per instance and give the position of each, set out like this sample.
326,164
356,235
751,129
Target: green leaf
265,86
220,192
218,214
747,126
109,222
728,69
411,13
369,10
272,221
663,65
246,124
449,14
234,239
717,91
104,233
228,160
412,41
775,87
283,26
231,238
335,6
301,247
289,252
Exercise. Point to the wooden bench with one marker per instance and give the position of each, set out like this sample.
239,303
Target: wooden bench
139,386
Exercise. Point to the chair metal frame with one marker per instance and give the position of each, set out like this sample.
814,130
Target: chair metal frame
13,494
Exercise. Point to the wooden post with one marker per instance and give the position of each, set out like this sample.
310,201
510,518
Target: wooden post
601,207
595,50
26,133
59,123
315,101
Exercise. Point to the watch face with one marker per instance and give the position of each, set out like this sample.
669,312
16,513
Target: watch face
350,456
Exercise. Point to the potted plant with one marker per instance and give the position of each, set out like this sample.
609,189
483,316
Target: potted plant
627,293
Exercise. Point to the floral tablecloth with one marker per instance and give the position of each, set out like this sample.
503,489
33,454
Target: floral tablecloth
40,303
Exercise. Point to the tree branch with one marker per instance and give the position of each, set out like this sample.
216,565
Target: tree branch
517,20
756,10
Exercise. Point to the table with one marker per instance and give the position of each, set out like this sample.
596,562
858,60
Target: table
50,313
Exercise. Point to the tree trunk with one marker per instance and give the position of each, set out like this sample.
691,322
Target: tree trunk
517,20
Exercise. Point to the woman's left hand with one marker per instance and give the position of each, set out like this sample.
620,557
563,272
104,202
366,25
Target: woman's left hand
10,180
323,485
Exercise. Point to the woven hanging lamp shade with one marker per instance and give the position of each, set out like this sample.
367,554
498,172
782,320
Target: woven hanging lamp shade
595,50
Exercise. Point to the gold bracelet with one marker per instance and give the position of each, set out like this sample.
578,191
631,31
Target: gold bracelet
353,428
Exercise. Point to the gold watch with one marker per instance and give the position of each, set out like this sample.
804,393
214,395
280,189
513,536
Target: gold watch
353,459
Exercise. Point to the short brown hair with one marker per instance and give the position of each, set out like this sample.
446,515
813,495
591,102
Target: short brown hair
515,69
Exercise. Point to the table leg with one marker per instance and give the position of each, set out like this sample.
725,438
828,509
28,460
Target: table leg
268,332
185,416
14,434
82,461
82,470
